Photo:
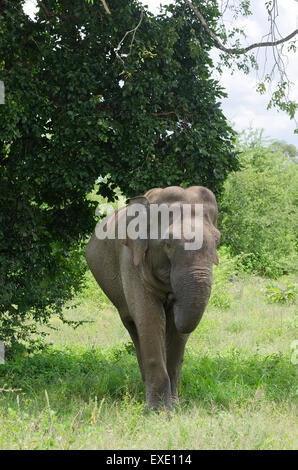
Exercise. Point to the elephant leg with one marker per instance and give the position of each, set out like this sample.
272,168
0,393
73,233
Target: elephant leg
148,315
132,330
151,324
175,345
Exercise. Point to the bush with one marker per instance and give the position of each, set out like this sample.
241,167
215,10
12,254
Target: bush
223,274
281,295
258,210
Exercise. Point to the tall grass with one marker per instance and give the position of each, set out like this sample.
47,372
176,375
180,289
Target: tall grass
238,388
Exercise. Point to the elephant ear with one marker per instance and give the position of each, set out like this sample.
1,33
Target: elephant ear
138,245
216,235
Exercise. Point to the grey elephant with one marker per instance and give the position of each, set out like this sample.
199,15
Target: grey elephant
159,288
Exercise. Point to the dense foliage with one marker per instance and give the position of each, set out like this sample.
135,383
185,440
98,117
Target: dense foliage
259,207
74,111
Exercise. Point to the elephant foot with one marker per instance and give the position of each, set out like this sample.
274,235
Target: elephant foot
162,411
159,402
158,393
158,405
175,399
158,409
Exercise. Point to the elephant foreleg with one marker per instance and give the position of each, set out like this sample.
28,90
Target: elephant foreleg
148,315
152,342
150,324
175,345
132,330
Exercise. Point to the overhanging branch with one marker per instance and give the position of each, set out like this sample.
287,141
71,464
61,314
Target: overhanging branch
134,30
233,50
106,7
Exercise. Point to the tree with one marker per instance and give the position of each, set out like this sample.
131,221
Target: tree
245,8
258,207
245,57
287,149
73,111
241,56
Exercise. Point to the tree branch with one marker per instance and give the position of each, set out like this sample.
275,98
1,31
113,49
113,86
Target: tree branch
3,5
106,6
232,50
134,30
45,10
166,113
49,14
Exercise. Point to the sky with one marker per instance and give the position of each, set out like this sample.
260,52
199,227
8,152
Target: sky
244,107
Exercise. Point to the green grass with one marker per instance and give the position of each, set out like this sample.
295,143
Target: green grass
238,387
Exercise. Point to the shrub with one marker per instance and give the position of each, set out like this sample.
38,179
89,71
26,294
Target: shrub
223,274
281,295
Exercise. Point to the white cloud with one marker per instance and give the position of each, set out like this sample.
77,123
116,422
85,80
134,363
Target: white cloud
289,14
244,106
30,7
154,5
251,28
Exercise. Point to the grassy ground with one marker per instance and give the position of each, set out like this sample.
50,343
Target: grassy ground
238,389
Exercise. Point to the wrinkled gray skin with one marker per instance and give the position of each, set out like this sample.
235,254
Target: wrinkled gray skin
160,289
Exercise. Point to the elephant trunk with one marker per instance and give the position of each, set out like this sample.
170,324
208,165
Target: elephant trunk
192,292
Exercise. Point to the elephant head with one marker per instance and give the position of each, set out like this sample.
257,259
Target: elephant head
181,277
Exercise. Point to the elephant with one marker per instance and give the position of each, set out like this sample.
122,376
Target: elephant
159,288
